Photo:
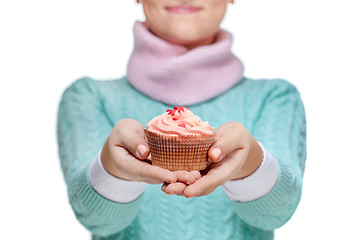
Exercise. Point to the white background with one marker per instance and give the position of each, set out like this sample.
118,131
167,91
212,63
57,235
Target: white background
45,45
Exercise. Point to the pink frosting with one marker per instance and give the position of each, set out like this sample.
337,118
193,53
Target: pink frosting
180,122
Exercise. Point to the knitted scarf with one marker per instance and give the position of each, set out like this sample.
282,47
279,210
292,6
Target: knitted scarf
172,74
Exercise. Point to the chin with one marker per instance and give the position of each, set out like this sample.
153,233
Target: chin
189,36
185,33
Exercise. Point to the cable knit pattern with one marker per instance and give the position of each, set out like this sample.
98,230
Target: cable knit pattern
271,110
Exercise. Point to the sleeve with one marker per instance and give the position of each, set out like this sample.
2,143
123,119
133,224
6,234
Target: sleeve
113,188
83,127
281,127
257,185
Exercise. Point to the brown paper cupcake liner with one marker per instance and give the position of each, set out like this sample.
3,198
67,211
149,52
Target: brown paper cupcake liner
179,152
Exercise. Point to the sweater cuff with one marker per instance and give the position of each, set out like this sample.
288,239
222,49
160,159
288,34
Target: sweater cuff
258,184
112,188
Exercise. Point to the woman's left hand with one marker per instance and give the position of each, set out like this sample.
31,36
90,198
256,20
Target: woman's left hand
235,155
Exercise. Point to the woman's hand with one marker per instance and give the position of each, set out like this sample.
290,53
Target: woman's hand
235,155
124,155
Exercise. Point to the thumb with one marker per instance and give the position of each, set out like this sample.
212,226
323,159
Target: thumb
129,133
229,138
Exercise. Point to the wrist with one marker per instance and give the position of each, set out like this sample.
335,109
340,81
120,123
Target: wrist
256,185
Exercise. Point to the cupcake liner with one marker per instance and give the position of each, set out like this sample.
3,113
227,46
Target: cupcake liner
179,152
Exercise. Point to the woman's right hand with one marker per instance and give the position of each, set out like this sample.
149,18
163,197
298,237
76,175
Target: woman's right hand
124,155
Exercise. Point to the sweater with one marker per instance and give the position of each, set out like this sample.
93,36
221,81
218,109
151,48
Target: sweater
271,110
173,74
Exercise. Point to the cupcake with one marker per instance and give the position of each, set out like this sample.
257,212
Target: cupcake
179,140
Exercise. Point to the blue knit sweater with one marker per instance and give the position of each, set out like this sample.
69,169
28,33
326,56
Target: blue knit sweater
271,110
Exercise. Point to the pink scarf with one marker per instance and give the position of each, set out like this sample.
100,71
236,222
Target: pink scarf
174,75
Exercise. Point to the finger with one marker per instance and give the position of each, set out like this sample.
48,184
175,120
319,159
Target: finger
205,185
136,170
163,187
216,175
196,174
130,134
185,177
230,166
229,138
154,174
175,188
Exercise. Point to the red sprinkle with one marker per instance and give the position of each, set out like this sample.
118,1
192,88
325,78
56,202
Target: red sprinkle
170,112
182,125
180,109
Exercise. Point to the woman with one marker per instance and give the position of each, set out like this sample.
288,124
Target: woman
182,57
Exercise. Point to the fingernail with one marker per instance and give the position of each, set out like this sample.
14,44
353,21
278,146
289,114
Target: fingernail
140,150
216,153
